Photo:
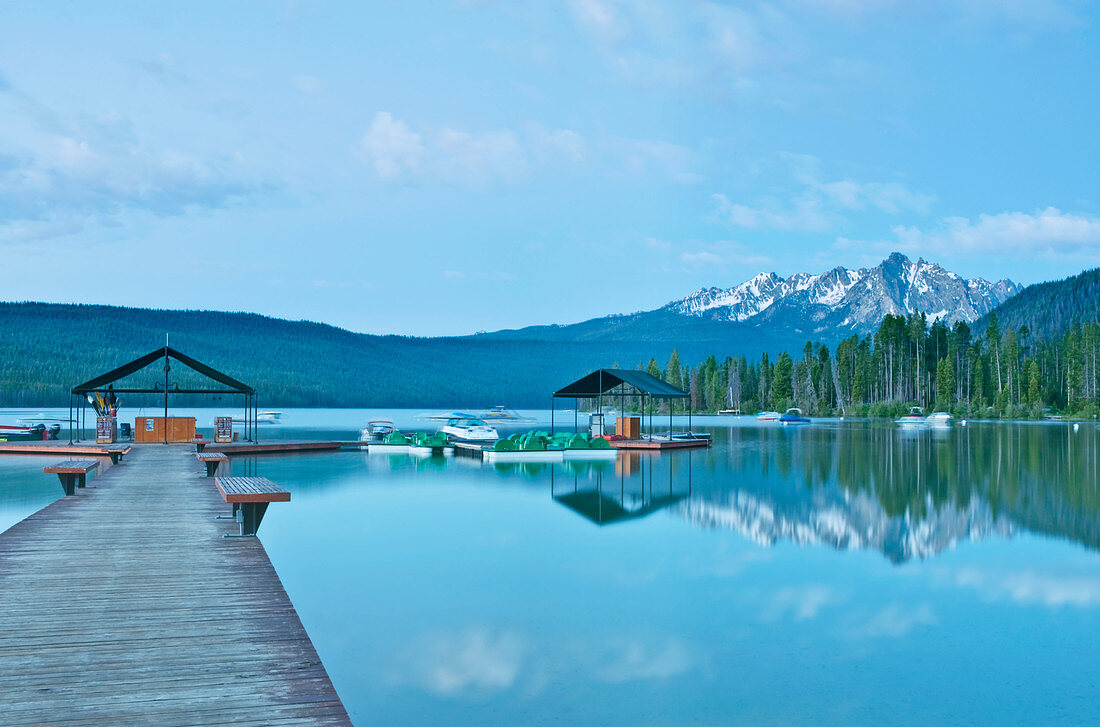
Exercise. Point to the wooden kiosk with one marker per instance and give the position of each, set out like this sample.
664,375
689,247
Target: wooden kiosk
152,430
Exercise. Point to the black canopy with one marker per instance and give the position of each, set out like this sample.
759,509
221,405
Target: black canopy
105,383
603,380
100,382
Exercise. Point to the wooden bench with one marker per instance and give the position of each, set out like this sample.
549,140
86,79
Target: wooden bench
117,453
249,497
211,460
200,445
72,473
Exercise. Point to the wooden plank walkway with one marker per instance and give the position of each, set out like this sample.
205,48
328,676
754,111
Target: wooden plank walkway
125,605
276,446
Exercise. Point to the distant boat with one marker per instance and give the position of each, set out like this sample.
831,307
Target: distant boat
915,418
794,416
939,420
269,417
499,413
377,430
768,416
446,416
469,429
729,412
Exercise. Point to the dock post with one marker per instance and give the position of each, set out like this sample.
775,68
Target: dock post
68,483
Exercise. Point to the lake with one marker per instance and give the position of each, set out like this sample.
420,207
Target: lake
845,572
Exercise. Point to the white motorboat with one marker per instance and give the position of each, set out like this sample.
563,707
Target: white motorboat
376,430
500,414
939,420
464,429
768,416
268,417
915,418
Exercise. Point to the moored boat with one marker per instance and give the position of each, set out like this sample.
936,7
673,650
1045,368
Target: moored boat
377,430
35,433
768,416
915,418
465,429
793,416
269,417
939,420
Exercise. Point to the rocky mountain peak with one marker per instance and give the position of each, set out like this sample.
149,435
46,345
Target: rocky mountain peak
850,299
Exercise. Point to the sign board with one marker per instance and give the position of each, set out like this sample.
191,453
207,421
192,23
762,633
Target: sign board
223,429
149,425
105,430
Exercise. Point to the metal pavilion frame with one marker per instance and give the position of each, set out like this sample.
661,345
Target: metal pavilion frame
623,384
103,384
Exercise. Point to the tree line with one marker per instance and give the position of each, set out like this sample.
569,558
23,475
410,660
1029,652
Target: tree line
907,362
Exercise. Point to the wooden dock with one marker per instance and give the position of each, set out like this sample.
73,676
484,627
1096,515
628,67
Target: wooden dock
55,446
125,605
659,444
277,446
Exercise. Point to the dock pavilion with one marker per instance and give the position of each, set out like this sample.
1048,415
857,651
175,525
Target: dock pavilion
623,384
104,384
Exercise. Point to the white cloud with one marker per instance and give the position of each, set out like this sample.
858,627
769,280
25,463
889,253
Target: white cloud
658,157
801,603
895,620
597,17
702,258
480,157
802,215
770,52
632,659
307,84
816,204
563,141
473,661
61,173
718,254
392,147
398,152
1047,589
1048,232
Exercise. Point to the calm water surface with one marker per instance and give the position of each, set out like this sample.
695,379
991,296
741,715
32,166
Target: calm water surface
841,573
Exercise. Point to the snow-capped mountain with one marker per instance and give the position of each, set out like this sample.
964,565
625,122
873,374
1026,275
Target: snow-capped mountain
856,300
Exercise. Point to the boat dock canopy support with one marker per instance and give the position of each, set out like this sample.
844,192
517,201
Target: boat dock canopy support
622,383
103,384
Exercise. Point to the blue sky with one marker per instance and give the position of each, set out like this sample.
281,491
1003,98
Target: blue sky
446,167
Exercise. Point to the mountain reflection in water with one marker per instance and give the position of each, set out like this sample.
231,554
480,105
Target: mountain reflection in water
906,495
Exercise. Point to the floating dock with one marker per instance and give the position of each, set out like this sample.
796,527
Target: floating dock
276,446
125,605
659,444
55,447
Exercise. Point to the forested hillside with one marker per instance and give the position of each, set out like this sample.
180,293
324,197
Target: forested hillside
1049,309
1040,350
1001,372
45,349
